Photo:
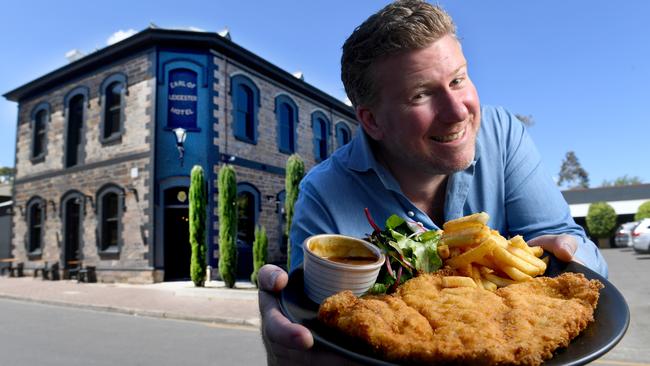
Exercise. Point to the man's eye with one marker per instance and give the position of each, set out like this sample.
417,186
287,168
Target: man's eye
456,82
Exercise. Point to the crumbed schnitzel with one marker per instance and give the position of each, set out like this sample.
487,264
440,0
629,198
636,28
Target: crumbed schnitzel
423,323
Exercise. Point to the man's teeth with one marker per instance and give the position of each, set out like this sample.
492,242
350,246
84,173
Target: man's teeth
448,138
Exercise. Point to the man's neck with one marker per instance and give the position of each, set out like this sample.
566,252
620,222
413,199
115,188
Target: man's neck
426,191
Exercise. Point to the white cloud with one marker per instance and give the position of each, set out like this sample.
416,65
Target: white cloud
347,101
120,35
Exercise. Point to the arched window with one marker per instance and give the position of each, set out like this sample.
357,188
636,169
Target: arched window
36,226
110,207
75,111
112,91
320,127
286,113
39,121
343,134
245,100
248,207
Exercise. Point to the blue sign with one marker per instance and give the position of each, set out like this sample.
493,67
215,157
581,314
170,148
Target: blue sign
181,99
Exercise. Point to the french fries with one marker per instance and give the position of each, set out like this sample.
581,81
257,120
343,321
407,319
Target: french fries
484,258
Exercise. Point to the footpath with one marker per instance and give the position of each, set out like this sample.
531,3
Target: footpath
214,303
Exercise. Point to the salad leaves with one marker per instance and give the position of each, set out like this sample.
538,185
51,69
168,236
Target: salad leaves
409,248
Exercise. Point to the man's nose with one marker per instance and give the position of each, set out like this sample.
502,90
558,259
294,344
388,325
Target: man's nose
451,108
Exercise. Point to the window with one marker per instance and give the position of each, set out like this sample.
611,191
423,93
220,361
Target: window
286,112
248,206
110,209
75,102
343,134
112,91
246,101
40,118
320,127
35,221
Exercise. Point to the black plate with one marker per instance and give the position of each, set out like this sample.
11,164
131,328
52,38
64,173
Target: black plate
612,317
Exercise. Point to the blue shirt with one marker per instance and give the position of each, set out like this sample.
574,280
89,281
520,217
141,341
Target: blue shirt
505,180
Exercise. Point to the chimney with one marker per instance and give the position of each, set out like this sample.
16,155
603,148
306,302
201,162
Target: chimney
74,55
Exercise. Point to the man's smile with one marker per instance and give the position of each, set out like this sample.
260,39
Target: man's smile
450,137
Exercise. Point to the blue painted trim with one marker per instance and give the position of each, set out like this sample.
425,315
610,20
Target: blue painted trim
316,117
37,252
32,118
342,127
239,129
279,101
122,79
79,90
99,214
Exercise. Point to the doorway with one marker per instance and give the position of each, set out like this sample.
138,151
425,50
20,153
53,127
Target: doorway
176,224
72,232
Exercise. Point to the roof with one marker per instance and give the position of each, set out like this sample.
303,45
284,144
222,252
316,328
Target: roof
607,194
180,39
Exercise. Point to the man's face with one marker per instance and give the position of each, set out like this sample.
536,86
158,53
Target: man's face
427,112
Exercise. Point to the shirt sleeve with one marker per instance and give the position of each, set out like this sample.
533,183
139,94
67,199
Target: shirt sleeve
311,217
534,203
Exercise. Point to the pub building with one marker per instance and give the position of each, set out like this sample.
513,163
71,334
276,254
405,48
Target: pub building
105,146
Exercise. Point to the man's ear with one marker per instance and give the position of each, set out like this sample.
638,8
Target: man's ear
368,122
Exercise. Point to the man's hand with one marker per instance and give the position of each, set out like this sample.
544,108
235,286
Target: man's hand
280,335
563,246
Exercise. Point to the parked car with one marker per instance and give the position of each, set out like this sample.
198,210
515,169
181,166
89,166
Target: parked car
623,236
641,236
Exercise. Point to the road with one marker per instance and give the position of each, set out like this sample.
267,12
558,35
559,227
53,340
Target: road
630,273
36,334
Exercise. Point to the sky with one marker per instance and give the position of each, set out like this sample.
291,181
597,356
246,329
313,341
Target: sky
580,68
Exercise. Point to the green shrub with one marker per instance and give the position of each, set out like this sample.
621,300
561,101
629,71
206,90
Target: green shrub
260,246
227,186
643,212
198,206
601,220
295,172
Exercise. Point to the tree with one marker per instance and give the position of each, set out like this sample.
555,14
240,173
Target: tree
198,207
622,181
7,174
260,246
643,211
227,186
295,172
601,220
528,120
572,174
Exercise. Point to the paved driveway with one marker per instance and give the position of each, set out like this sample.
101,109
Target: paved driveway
630,273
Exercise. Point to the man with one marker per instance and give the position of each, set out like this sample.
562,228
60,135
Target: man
427,151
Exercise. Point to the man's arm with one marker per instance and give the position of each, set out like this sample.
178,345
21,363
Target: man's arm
535,206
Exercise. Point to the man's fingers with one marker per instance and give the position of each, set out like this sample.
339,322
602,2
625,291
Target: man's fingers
272,278
278,329
562,246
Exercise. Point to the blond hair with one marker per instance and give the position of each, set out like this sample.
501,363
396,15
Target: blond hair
400,26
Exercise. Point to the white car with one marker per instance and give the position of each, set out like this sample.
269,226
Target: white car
641,236
623,236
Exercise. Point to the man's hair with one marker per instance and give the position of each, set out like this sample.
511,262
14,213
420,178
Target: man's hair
400,26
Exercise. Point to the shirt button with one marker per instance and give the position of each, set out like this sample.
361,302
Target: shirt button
411,213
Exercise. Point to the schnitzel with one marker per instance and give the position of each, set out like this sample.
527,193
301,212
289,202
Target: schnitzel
424,323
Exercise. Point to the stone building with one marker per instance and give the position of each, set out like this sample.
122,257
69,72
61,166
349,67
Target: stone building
102,180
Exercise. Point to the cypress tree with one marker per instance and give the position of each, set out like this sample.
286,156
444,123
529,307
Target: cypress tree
227,185
198,205
260,246
295,172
